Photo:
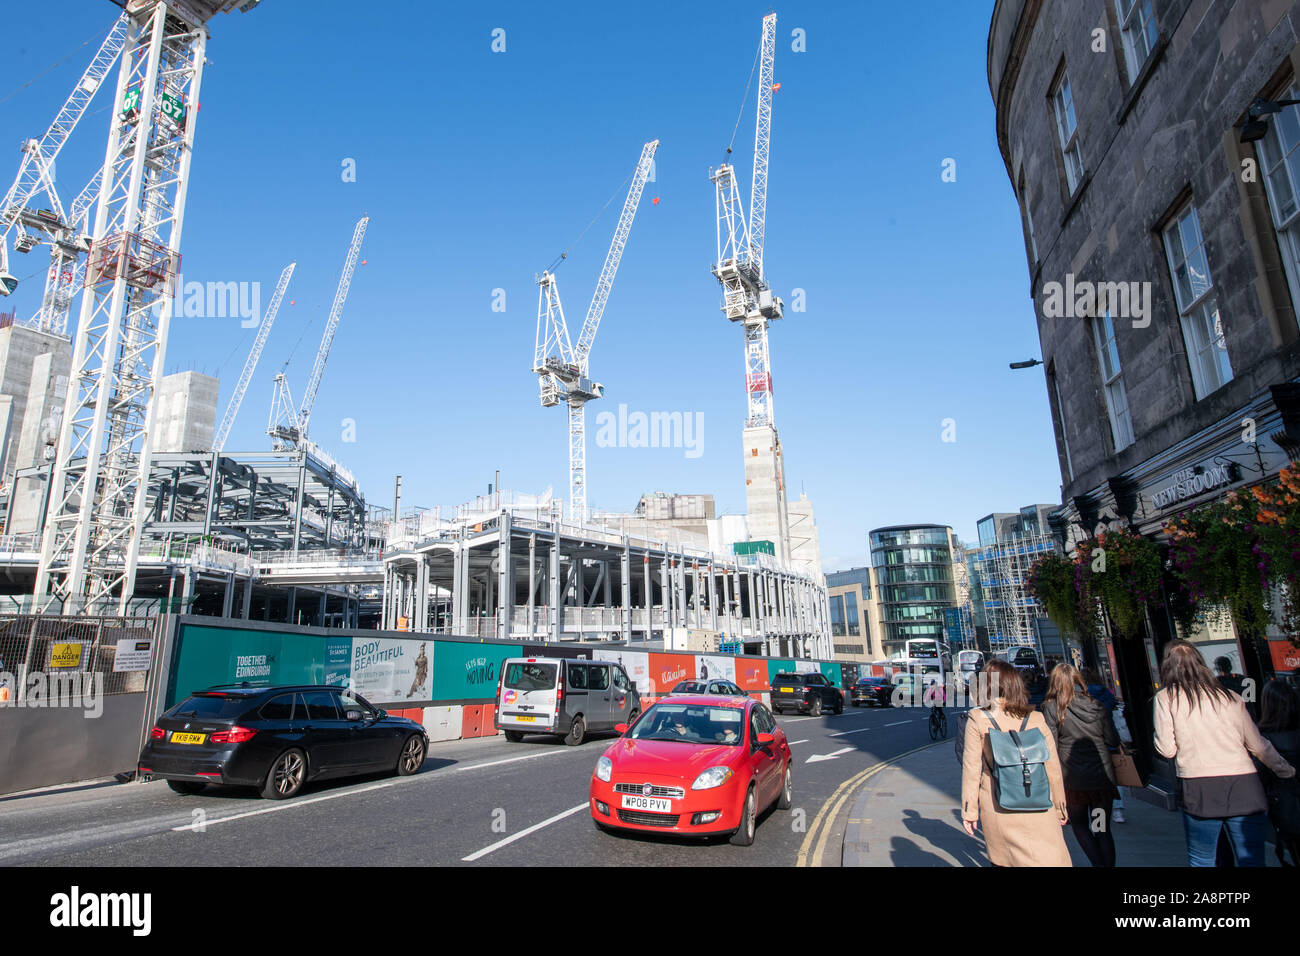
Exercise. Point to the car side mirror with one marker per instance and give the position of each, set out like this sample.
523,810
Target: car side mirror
621,728
765,739
354,715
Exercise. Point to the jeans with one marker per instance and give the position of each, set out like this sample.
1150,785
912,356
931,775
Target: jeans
1245,833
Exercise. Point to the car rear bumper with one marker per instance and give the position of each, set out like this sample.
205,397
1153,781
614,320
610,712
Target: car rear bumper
224,767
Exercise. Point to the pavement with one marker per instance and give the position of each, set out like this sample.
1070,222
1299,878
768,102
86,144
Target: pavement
908,814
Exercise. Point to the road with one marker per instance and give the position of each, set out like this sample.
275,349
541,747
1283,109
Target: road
478,802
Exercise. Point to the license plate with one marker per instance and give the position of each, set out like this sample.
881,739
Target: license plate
649,804
525,720
188,738
789,690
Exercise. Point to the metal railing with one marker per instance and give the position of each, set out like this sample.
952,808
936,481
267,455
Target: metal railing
57,647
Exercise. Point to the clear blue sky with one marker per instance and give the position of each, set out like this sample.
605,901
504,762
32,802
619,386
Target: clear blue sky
478,168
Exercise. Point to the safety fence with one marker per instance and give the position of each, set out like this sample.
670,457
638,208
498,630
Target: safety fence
120,649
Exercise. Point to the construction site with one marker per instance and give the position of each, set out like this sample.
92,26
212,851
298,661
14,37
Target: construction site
119,495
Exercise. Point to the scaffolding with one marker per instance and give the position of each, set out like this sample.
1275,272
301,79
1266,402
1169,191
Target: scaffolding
1003,569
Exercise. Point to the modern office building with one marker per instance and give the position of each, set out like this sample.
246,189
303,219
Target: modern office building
913,566
855,626
1009,543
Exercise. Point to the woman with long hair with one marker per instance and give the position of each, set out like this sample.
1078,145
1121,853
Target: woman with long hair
1085,735
1279,722
1205,729
1024,838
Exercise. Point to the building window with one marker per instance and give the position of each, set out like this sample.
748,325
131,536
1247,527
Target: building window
1028,221
1121,424
1279,155
1060,413
851,617
1137,26
1198,308
837,615
1067,131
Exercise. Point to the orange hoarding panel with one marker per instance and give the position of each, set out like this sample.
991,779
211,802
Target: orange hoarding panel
667,669
751,674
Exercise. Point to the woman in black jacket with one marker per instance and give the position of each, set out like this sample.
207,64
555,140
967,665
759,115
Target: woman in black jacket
1279,722
1085,735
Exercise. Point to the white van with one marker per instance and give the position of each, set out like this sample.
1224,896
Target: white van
567,697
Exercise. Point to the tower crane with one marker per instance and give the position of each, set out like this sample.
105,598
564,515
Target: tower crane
250,364
287,426
99,486
748,300
563,370
36,170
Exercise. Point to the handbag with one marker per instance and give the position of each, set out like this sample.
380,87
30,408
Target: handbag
1126,771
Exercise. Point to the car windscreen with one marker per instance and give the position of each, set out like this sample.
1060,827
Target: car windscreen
218,708
691,724
530,675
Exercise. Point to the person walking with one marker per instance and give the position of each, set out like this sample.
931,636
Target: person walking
1012,838
1102,695
1085,735
1205,729
1279,723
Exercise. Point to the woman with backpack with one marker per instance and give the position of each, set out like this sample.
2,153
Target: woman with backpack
1205,729
1011,784
1279,722
1085,735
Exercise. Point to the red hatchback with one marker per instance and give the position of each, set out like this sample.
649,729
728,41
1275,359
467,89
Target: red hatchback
694,765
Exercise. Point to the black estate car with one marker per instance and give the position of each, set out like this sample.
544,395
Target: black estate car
276,739
872,691
811,693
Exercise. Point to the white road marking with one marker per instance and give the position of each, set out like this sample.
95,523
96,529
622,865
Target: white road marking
523,833
793,742
431,775
816,757
860,730
897,722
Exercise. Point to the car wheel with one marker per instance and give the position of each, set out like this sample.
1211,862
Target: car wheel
786,800
577,732
286,775
187,787
839,706
816,709
744,835
514,736
856,704
412,757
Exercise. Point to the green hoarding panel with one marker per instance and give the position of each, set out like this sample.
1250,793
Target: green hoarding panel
832,672
464,671
776,666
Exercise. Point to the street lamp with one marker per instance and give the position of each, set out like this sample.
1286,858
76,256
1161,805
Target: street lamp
1030,363
1255,126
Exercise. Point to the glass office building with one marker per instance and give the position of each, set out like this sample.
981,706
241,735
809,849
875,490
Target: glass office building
914,581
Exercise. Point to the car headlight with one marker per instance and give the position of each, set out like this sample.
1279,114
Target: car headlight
713,777
604,768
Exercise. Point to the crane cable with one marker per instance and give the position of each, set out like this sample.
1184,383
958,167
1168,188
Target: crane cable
53,66
741,115
614,195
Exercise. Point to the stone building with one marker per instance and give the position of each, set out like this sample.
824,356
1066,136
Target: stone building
1163,245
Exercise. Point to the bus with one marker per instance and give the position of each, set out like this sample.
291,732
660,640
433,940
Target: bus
928,660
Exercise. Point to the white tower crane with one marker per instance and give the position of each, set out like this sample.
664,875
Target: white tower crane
98,488
748,300
563,370
250,364
36,171
287,426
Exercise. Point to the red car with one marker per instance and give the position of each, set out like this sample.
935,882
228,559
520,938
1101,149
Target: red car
695,766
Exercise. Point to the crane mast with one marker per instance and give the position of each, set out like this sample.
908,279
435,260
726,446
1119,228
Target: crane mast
563,370
250,364
98,488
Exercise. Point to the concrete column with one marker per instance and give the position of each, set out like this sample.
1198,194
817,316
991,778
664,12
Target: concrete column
755,614
505,579
532,581
625,589
649,595
557,619
665,595
727,575
323,608
248,598
292,611
713,600
422,593
228,597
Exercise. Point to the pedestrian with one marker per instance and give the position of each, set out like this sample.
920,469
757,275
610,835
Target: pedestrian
1279,722
1205,729
1085,735
1099,692
1012,838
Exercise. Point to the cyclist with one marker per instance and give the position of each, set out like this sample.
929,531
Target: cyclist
936,695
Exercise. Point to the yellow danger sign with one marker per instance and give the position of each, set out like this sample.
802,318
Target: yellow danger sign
65,655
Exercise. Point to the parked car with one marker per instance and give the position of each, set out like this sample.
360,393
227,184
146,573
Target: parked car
566,697
872,691
277,739
806,693
724,688
695,766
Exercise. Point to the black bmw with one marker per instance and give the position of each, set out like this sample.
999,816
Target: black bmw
276,739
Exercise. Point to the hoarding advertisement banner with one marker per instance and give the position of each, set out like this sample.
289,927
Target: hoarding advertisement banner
390,669
636,663
806,667
710,667
752,674
338,661
666,670
462,671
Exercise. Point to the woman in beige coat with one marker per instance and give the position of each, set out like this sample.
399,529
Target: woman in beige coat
1012,839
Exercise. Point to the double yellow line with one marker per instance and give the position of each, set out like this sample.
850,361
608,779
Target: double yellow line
824,823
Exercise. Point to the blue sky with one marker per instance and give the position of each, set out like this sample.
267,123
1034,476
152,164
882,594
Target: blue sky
477,168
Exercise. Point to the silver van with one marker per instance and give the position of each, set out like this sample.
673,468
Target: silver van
567,697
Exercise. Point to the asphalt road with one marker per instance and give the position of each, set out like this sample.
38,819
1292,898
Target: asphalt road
476,802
